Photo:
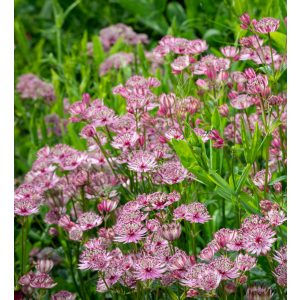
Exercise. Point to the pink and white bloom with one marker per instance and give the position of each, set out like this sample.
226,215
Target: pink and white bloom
266,25
149,268
142,162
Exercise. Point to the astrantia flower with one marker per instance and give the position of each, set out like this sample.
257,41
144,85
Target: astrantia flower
180,261
276,217
258,292
229,51
266,25
245,262
110,35
75,233
281,255
148,268
225,267
172,172
241,101
224,236
166,104
180,63
259,178
142,162
42,281
197,213
170,231
72,161
44,265
125,141
31,87
26,207
174,133
94,258
257,85
107,205
202,276
196,47
281,274
63,295
89,220
129,233
259,239
116,61
207,253
180,212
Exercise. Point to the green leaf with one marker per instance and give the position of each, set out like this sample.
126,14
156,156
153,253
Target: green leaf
279,39
175,10
243,178
248,203
211,33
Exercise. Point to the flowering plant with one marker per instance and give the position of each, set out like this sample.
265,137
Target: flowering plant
180,193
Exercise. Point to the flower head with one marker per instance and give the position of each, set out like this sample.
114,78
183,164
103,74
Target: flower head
149,267
266,25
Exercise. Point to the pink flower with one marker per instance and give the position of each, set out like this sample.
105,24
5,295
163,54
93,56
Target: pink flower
225,267
180,212
281,275
42,281
129,233
223,110
197,213
259,292
89,220
26,207
149,268
191,293
172,172
276,217
170,231
196,47
31,87
28,198
63,295
245,262
257,85
116,61
202,276
174,133
142,162
229,51
207,253
245,20
94,257
225,236
88,131
107,205
259,239
44,265
241,101
125,141
281,255
166,104
75,233
259,179
180,63
266,25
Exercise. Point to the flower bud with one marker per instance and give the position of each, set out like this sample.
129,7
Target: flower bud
171,231
223,110
277,187
44,265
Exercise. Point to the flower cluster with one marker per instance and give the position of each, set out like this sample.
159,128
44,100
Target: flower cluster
184,188
31,87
